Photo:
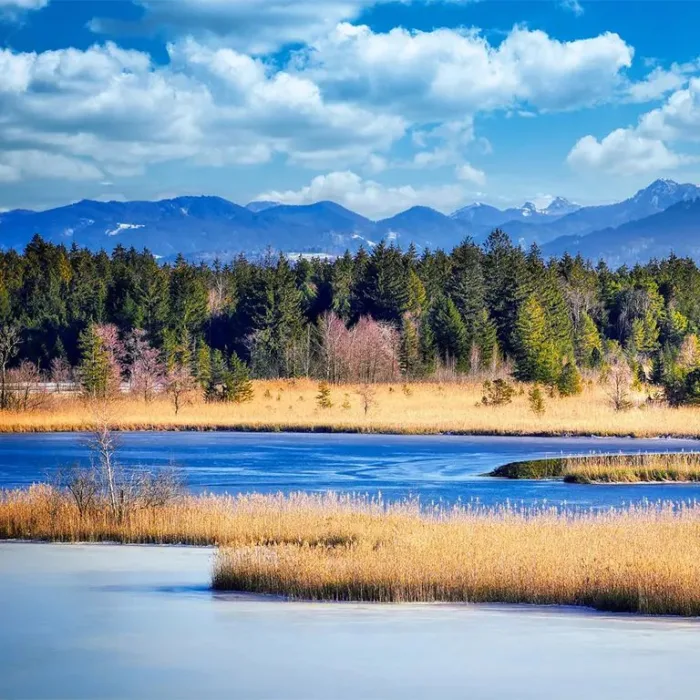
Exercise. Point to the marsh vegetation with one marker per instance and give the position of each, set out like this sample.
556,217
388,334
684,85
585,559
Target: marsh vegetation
331,547
608,469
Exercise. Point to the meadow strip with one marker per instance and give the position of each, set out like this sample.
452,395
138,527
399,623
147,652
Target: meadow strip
417,408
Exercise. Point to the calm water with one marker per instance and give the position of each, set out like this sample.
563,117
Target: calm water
135,622
443,469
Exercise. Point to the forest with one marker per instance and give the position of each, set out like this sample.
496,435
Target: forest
377,316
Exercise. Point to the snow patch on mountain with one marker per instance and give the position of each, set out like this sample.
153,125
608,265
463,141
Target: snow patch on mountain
123,227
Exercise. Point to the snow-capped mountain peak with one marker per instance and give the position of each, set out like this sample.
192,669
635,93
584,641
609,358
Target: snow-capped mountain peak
560,206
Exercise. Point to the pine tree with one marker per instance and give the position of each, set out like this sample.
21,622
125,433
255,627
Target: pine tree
215,389
95,371
427,348
587,342
203,371
486,339
409,350
467,288
239,388
450,333
531,343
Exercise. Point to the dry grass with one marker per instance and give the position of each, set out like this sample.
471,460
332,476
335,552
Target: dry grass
644,560
608,469
421,409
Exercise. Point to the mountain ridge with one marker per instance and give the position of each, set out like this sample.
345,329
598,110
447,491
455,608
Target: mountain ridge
207,226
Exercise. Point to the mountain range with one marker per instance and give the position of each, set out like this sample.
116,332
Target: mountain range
661,218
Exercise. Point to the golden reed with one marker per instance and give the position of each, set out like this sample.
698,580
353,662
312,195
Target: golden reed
330,547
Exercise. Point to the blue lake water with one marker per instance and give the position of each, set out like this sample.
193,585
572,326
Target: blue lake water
436,468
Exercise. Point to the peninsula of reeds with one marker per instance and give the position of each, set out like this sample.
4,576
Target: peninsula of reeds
608,469
643,560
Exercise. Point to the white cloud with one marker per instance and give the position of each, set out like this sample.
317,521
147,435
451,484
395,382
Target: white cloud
446,73
215,107
468,173
368,197
20,165
572,6
645,147
624,152
257,26
678,119
660,82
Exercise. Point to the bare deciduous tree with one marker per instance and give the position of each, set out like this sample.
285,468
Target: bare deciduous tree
180,385
83,486
368,396
147,373
60,372
618,383
25,386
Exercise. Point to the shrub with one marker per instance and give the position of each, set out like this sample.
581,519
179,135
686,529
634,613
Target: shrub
569,382
536,399
323,398
497,393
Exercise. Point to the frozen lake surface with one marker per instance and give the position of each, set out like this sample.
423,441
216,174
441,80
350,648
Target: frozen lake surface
136,622
436,468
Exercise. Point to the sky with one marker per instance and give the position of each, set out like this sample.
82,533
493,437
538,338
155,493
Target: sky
378,105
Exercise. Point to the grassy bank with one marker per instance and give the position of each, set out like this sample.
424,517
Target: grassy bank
608,469
644,560
402,409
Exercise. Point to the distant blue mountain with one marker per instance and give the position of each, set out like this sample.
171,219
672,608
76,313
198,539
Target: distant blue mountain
260,205
209,227
192,226
675,230
425,227
660,195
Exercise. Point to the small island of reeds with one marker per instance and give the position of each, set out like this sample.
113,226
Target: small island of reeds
608,469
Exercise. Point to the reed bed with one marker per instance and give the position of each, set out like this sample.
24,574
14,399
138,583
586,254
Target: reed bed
329,547
420,408
684,467
608,469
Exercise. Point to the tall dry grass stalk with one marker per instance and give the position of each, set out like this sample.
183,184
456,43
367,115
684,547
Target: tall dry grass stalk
642,560
420,408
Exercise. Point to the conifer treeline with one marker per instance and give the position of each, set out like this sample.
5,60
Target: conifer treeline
368,317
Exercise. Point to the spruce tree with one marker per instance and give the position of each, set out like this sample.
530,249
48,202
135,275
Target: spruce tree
450,333
95,369
239,388
587,342
409,350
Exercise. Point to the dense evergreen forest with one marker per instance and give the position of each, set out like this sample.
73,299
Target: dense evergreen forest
375,316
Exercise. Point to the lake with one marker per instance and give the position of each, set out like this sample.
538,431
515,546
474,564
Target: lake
435,468
91,621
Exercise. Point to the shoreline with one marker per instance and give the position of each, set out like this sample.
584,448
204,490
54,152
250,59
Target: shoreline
298,429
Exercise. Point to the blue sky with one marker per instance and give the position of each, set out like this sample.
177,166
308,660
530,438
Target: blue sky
377,104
